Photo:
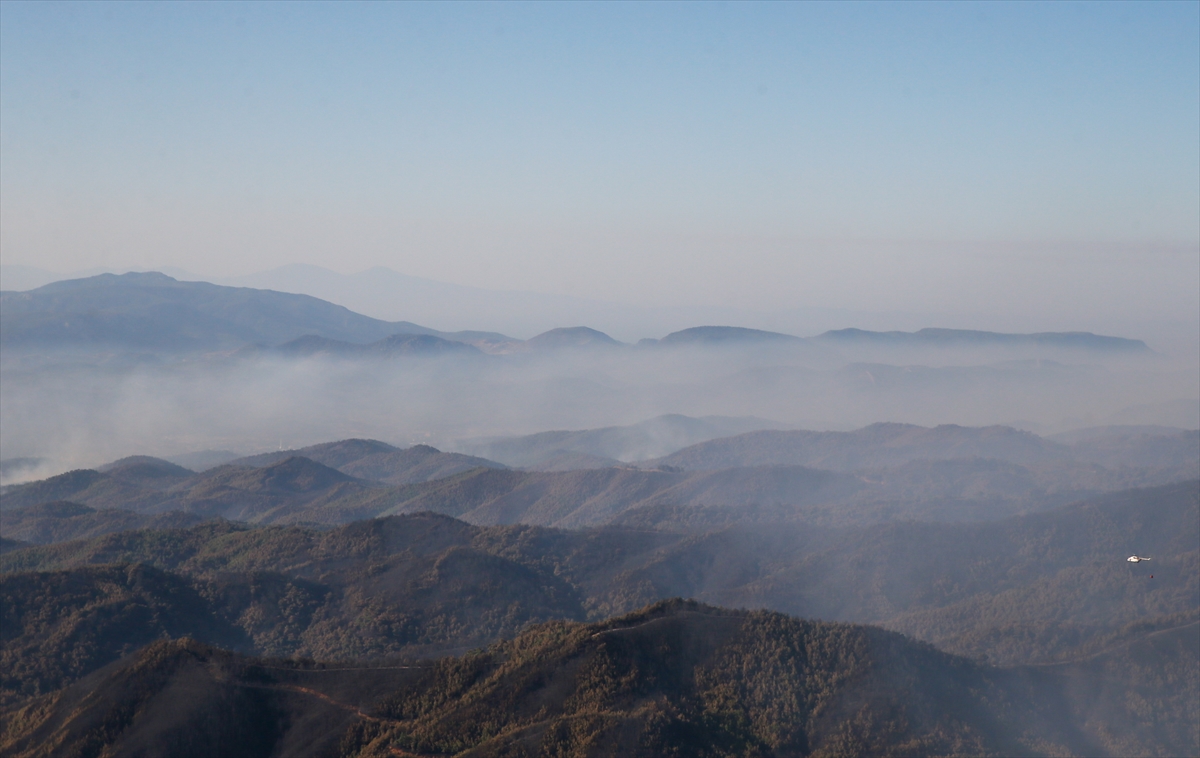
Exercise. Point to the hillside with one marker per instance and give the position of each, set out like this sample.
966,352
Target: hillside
674,678
61,626
691,679
182,698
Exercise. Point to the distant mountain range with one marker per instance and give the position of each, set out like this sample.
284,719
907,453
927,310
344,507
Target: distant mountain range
152,311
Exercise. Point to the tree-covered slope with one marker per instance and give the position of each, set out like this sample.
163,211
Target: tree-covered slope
677,678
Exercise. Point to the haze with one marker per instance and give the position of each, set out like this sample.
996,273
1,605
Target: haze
1004,166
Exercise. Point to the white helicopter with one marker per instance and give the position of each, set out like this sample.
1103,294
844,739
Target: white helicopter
1136,559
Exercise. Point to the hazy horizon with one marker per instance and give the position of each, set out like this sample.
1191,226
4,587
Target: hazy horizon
1025,167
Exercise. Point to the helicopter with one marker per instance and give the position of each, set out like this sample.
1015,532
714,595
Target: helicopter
1136,559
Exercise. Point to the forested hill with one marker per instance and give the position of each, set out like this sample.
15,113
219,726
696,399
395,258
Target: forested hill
677,678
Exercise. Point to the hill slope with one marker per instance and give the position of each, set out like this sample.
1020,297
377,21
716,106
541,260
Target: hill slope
675,678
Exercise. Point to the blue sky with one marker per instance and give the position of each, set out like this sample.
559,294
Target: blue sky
951,155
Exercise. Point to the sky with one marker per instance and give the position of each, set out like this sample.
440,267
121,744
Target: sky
941,157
